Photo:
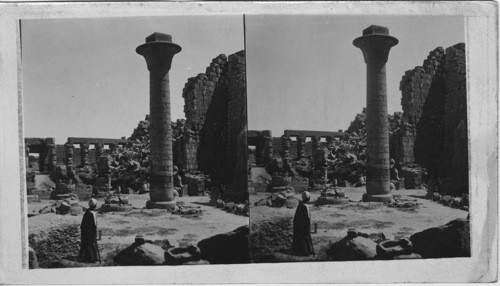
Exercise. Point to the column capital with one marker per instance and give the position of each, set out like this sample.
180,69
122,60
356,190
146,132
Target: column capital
158,51
375,43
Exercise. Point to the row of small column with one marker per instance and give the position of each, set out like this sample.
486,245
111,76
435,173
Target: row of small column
84,153
301,146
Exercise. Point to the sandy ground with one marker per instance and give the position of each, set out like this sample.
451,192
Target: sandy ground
120,228
333,221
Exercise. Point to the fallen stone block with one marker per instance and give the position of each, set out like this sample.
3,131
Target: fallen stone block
226,248
349,249
140,254
449,240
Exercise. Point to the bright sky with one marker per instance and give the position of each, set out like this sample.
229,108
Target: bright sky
303,72
83,78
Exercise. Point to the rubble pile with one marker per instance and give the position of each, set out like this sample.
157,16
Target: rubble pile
63,191
232,207
115,203
126,167
285,198
182,209
400,203
69,205
332,196
449,240
461,202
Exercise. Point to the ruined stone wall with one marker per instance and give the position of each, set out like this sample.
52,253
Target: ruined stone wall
237,104
206,116
423,107
455,121
434,108
215,109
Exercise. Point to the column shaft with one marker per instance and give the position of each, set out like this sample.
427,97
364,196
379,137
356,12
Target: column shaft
161,186
377,129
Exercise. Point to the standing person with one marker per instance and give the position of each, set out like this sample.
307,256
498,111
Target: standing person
302,242
89,251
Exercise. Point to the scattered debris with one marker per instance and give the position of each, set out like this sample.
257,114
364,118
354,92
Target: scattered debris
400,203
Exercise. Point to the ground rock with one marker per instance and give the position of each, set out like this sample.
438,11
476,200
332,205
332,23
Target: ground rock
449,240
226,248
140,254
358,248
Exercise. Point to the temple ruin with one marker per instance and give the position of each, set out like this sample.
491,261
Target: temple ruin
434,134
216,115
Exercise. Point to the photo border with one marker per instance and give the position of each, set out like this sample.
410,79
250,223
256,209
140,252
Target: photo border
482,89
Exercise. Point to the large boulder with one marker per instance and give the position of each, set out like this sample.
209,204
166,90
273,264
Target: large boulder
449,240
349,248
140,254
226,248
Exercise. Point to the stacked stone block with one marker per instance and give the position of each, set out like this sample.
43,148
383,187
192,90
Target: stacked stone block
268,149
455,121
412,177
402,143
320,164
206,101
70,169
196,184
52,157
103,179
237,104
215,109
84,155
435,104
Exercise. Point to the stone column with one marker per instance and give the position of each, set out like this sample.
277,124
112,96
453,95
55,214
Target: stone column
285,147
315,145
329,143
51,150
375,45
269,149
301,147
84,154
98,151
70,170
285,153
159,52
68,149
